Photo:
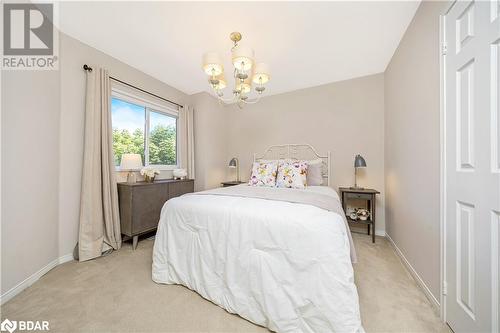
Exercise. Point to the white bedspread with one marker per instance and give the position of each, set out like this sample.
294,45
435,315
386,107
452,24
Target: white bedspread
282,265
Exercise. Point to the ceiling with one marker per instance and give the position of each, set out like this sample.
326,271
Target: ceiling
305,44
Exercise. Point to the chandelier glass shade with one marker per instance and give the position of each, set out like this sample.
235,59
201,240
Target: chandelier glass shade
244,86
246,73
243,58
212,64
261,73
221,84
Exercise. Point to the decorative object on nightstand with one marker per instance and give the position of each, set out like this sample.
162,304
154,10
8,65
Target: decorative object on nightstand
149,174
234,163
179,173
231,183
359,162
131,163
363,216
141,203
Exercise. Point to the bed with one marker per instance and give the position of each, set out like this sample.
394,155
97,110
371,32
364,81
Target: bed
280,258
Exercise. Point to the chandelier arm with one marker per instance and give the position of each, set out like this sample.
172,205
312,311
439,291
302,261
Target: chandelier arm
226,100
229,100
253,101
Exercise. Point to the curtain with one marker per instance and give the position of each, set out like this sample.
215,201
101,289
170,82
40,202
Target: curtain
99,214
186,134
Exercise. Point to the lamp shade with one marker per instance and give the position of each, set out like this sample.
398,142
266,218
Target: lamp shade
131,162
245,87
261,73
222,82
212,64
359,162
233,163
242,57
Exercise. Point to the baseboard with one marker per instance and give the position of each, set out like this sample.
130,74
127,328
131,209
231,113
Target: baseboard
65,258
434,302
380,233
34,277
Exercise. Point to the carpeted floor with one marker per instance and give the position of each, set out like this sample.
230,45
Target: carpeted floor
116,294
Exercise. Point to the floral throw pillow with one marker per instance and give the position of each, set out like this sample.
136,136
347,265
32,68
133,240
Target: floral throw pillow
292,174
264,174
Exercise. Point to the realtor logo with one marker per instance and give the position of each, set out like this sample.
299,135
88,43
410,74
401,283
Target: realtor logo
28,29
8,325
29,37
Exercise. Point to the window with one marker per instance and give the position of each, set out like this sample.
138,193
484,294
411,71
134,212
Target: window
143,127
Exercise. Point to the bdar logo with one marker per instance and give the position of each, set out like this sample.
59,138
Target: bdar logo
8,325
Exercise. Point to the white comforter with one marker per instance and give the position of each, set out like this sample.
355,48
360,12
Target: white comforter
282,265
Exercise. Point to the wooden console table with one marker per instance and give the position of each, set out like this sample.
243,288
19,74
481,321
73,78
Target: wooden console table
141,204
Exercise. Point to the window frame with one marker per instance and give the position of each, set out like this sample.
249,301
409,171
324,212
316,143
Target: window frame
150,104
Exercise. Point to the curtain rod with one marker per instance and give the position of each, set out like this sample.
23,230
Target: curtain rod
88,68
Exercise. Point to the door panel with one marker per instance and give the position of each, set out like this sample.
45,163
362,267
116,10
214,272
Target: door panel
465,258
465,117
472,165
495,269
495,9
495,106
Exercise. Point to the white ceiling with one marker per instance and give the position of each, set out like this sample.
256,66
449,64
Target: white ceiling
305,44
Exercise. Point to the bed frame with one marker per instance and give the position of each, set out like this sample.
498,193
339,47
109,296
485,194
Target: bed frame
297,152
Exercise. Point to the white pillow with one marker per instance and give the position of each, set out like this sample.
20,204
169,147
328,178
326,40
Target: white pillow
264,174
292,174
314,172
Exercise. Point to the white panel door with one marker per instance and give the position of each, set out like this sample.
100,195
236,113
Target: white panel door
472,165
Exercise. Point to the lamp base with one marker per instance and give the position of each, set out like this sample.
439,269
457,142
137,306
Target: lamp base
356,188
131,178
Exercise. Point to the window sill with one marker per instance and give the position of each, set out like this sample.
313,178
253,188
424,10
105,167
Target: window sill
158,167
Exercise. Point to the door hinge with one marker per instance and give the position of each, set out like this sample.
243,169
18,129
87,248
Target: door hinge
445,288
444,48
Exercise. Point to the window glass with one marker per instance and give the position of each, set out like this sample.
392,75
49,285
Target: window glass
162,139
128,121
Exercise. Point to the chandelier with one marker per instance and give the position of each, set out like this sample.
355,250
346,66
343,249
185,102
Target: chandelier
245,73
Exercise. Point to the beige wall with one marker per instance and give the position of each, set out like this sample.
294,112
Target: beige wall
30,172
412,144
73,55
345,118
211,141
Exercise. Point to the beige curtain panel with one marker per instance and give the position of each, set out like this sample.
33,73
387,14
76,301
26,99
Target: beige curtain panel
99,214
186,135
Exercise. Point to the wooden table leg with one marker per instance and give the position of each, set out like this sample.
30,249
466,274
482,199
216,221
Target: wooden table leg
372,204
135,240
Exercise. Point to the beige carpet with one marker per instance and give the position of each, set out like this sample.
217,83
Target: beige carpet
116,294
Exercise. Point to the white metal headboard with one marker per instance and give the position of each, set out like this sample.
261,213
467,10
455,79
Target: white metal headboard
297,152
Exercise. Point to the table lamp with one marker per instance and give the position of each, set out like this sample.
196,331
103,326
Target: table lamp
234,163
359,162
131,163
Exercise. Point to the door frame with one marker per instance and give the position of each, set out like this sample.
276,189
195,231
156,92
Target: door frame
442,176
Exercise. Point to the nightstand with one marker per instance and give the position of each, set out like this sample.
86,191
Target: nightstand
231,183
367,194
